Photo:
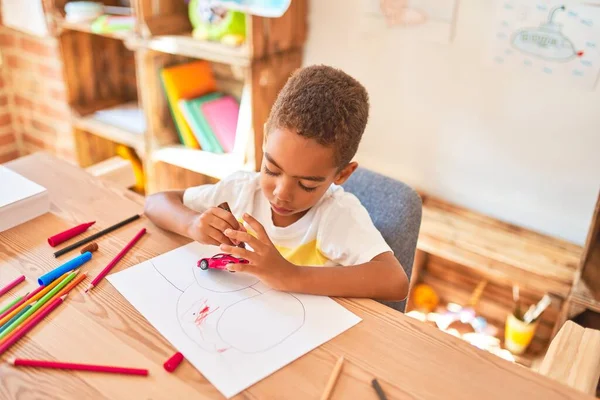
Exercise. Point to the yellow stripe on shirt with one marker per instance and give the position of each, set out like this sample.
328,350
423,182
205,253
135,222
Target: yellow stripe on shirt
307,254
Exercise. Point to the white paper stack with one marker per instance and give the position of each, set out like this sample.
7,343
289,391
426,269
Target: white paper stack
20,199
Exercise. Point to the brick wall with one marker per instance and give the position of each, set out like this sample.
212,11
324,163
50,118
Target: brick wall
8,140
34,113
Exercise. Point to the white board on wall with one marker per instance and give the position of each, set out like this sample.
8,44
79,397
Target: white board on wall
25,16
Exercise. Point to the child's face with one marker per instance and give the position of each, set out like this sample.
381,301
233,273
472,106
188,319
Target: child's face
296,172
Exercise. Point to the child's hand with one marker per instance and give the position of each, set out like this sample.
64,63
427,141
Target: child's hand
209,227
266,263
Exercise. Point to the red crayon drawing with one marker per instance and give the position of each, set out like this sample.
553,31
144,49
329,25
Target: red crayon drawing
203,313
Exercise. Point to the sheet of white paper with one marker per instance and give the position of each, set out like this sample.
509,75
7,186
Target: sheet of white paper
25,15
559,39
231,327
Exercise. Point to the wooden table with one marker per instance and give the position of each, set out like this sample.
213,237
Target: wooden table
409,358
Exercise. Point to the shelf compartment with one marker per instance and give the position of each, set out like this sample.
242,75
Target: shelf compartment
86,27
93,124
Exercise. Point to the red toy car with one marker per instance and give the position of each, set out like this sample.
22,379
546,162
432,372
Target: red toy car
220,261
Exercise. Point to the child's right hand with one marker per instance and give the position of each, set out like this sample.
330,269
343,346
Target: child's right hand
208,227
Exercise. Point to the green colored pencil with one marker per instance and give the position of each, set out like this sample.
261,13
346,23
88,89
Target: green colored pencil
39,303
12,303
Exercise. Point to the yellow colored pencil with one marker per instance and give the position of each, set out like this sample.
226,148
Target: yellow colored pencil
34,298
333,379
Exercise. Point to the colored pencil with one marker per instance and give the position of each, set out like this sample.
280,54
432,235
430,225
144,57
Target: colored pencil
115,260
333,379
39,304
21,331
32,298
63,293
95,236
16,304
16,317
72,284
19,362
11,285
69,233
378,389
12,303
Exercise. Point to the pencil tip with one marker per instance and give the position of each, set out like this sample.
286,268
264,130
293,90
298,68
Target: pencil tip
11,361
64,296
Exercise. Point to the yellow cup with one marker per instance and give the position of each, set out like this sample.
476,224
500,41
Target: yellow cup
518,334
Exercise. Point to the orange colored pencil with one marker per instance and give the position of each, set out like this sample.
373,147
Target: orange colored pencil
34,298
61,293
72,284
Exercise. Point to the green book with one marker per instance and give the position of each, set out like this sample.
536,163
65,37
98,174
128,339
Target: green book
192,111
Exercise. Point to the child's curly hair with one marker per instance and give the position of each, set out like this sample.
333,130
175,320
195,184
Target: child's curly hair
325,104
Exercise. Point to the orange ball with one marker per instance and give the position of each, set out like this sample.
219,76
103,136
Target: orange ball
425,298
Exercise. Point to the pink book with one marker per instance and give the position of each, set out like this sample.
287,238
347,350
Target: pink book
222,116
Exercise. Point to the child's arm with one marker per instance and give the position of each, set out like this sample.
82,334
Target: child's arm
381,278
166,210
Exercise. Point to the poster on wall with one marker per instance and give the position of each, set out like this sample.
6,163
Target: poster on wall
559,39
429,20
25,16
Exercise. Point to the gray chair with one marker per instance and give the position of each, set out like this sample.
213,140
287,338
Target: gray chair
395,209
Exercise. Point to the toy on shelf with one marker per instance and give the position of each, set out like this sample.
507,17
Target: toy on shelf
217,24
425,298
464,319
113,23
138,169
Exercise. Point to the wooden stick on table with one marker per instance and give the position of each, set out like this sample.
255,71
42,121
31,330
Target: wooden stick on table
333,378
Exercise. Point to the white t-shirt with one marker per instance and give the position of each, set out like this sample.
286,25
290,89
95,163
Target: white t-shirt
336,231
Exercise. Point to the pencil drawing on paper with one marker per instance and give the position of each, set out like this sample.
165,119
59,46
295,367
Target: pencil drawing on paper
214,324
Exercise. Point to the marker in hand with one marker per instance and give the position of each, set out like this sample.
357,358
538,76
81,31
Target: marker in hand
225,206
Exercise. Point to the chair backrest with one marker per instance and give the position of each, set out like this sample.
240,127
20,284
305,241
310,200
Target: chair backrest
396,211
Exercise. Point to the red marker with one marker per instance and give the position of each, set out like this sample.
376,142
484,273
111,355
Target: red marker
173,362
69,233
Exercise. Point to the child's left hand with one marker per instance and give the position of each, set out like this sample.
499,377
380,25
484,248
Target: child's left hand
265,261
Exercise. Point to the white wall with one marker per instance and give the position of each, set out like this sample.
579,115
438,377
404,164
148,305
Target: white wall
521,149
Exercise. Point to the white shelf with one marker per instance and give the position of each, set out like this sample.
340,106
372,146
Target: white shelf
186,45
114,133
217,166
